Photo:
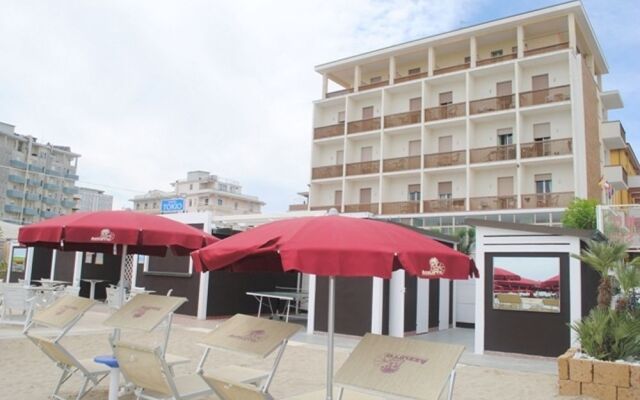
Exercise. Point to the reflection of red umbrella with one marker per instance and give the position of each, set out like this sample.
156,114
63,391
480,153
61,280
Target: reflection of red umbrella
335,246
505,275
124,232
551,283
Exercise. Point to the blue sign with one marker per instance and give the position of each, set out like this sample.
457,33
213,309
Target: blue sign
168,206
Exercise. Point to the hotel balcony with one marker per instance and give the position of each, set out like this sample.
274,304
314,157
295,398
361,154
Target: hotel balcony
18,164
49,201
32,196
493,60
363,168
323,208
10,208
445,205
34,182
547,200
362,207
369,86
493,203
492,104
68,203
411,77
545,96
339,93
401,207
494,153
557,147
364,125
401,119
36,168
70,190
51,187
616,176
52,172
328,131
445,112
401,164
30,211
613,135
47,214
330,171
546,49
75,177
447,159
17,179
452,68
15,194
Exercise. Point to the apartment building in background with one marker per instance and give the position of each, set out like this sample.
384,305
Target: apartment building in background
93,200
200,191
37,180
505,120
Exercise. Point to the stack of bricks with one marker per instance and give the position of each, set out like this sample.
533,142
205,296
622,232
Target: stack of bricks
598,379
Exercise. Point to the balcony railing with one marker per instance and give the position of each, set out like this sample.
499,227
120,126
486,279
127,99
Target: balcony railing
47,214
16,194
52,172
323,208
34,182
373,85
328,131
17,179
445,112
338,93
18,164
298,207
30,211
492,104
498,59
401,207
362,207
364,125
36,168
546,49
401,164
445,159
557,147
49,201
363,168
453,68
68,203
544,96
10,208
444,205
70,190
493,203
32,196
51,187
75,177
330,171
411,77
495,153
400,119
547,200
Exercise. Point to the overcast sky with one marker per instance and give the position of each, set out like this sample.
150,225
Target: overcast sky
148,90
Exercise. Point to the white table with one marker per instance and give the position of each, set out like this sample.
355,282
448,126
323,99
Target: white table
92,290
278,295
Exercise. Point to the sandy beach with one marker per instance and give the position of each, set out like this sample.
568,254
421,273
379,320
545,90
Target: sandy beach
26,373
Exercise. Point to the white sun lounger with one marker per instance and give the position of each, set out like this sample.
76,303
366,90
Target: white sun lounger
17,304
148,371
62,314
91,372
256,337
383,367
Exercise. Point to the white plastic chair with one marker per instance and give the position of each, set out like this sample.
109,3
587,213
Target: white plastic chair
17,304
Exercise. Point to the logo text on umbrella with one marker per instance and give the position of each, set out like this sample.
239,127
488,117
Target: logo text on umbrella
435,268
105,236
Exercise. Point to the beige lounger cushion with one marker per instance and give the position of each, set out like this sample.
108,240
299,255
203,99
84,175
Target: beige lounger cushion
250,335
347,395
236,373
63,357
144,312
63,311
227,390
399,366
143,367
187,385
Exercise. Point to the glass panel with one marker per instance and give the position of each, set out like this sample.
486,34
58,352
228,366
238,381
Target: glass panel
447,221
556,217
433,221
507,217
526,284
524,218
542,218
493,217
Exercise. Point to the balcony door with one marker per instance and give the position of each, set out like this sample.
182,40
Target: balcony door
541,135
415,104
445,144
414,192
367,112
341,116
366,153
339,157
543,183
505,192
538,84
445,98
445,190
504,89
414,148
365,196
337,198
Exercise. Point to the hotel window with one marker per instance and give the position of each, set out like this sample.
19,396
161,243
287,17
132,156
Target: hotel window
415,104
341,116
445,98
445,190
414,192
206,202
467,59
543,183
367,112
505,136
414,71
496,53
337,198
146,205
339,157
235,205
219,202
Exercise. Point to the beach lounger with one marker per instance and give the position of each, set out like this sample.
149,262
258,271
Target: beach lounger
62,314
17,304
399,368
91,372
148,371
256,337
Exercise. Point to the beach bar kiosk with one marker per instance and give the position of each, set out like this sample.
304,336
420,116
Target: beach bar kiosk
530,288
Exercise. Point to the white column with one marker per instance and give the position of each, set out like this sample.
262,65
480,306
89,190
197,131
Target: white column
377,301
479,311
575,289
356,78
134,270
422,306
325,86
431,60
311,312
473,51
54,254
517,135
571,25
77,269
203,295
520,40
396,304
444,304
392,70
29,266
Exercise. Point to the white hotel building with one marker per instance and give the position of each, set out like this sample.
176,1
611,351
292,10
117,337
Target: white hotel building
501,120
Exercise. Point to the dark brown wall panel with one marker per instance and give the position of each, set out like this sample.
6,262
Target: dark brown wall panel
353,305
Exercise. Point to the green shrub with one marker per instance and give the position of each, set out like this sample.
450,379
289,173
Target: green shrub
580,214
609,335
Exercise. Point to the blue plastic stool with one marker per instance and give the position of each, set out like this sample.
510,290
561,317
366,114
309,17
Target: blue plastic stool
114,376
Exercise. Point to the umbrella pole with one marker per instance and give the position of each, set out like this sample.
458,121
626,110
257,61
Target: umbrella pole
330,331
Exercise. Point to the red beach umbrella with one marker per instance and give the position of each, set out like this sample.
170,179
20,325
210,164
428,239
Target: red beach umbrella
335,246
502,274
551,283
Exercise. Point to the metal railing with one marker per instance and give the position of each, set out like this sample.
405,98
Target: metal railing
373,85
445,112
401,207
329,171
492,104
445,159
547,200
544,96
328,131
400,119
364,125
497,59
444,205
546,49
453,68
411,77
338,93
401,164
362,207
493,203
363,168
545,148
494,153
322,208
298,207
